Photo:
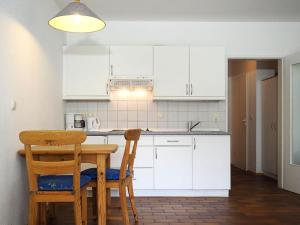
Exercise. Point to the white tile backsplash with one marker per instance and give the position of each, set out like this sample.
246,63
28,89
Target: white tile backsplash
133,113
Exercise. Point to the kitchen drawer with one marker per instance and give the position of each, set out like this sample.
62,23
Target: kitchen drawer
145,140
117,139
143,178
173,140
96,140
144,157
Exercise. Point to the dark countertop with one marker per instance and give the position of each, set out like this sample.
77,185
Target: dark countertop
106,133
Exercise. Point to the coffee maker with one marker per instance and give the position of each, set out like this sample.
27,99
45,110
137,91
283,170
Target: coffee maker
74,121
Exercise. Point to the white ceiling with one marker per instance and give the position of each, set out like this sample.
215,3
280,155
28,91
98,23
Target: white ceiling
194,10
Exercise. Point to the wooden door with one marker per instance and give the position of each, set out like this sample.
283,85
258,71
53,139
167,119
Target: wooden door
207,72
238,121
171,71
269,126
173,167
131,61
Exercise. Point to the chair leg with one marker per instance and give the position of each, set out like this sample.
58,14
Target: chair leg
124,204
132,200
32,215
77,211
84,205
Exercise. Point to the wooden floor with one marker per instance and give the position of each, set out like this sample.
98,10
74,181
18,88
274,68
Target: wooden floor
254,200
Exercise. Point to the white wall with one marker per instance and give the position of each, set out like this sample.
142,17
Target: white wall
30,73
241,39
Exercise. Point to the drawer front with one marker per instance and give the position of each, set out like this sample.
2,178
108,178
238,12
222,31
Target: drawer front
173,140
143,178
96,140
117,139
144,157
145,140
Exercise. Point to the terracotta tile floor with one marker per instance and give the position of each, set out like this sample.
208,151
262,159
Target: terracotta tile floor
254,200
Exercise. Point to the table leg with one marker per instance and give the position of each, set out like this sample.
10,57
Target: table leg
108,193
101,189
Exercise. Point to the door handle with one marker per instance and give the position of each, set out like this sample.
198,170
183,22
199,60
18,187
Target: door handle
155,153
194,143
111,70
191,89
187,89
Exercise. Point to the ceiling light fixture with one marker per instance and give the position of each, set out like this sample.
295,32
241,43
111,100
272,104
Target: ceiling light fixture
77,17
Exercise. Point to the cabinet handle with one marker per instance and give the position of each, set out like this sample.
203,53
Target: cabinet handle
107,87
111,69
155,153
194,143
172,141
191,89
187,89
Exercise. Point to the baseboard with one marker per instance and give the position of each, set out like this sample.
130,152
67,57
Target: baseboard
178,193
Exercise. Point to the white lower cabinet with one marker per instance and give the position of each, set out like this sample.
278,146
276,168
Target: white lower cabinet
173,168
143,163
143,179
177,165
211,162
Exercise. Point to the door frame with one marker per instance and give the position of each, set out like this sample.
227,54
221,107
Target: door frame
280,113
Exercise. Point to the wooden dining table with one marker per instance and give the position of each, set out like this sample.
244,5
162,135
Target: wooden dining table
90,153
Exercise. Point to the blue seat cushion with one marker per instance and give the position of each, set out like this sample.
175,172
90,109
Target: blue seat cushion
59,182
111,174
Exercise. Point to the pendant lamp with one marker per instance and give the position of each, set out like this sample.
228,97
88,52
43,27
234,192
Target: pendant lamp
77,17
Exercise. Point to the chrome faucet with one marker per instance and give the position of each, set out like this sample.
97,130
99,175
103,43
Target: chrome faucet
192,125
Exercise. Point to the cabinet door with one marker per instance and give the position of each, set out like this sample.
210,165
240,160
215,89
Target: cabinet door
171,71
207,72
93,140
131,61
173,167
143,178
85,72
211,162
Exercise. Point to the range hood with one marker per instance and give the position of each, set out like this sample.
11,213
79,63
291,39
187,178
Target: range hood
130,84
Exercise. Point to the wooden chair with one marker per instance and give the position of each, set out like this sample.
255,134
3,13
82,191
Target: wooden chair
121,178
46,180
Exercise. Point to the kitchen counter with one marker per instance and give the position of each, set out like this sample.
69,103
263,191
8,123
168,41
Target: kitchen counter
169,132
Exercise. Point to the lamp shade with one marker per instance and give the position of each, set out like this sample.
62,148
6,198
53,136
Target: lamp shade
77,17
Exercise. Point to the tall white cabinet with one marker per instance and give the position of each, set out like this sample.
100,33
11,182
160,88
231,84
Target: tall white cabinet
207,72
171,71
85,72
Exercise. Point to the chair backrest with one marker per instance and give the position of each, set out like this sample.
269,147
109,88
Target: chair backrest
132,135
35,167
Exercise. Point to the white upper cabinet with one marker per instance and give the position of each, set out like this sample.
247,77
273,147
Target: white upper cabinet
207,72
171,71
131,61
85,72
